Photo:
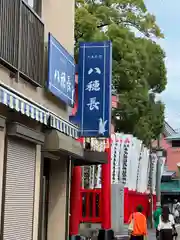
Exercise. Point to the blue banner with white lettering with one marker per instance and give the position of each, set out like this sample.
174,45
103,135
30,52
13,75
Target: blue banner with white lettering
61,72
94,89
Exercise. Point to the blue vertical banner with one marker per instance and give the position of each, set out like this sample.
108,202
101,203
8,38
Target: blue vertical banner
94,88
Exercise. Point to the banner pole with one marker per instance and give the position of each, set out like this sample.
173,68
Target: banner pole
106,232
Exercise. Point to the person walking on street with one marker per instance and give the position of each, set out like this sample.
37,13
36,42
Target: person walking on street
156,217
166,226
176,215
138,225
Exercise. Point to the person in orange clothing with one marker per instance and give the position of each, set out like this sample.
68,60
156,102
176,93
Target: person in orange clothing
139,224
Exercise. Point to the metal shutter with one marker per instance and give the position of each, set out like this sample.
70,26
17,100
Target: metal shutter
19,190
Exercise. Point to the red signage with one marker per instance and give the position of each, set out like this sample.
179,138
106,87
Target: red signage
114,101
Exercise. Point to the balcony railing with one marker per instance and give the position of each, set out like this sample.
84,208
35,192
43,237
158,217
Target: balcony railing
21,40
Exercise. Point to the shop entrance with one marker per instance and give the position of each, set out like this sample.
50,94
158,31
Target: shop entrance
19,189
45,199
54,199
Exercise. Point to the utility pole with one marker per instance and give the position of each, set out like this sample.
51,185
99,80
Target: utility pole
151,186
158,173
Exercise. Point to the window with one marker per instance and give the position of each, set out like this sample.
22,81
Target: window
35,5
21,24
175,143
30,3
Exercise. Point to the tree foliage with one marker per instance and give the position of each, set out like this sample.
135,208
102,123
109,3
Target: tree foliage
138,62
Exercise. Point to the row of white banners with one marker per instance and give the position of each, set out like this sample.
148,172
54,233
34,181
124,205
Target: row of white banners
130,165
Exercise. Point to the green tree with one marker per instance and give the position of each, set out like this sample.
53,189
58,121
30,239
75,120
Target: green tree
138,63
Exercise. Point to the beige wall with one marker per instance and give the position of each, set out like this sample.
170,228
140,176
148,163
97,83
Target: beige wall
58,18
2,140
57,200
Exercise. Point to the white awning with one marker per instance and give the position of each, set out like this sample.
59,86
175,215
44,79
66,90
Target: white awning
23,106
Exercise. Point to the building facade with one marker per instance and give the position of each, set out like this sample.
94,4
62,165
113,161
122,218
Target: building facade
34,174
172,152
38,144
170,174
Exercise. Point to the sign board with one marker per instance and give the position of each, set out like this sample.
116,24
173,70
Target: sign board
61,72
94,89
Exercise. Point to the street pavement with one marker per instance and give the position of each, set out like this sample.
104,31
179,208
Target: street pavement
124,236
152,234
178,231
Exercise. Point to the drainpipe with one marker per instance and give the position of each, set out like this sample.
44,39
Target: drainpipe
158,175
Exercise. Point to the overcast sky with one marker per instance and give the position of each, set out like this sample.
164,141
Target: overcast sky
168,18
